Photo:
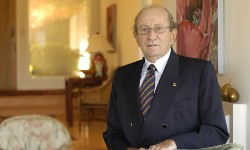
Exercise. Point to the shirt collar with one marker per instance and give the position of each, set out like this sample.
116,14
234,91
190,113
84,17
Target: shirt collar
160,63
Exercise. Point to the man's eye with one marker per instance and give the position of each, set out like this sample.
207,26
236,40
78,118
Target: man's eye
159,28
144,29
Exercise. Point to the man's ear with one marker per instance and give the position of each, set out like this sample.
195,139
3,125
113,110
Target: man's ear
174,35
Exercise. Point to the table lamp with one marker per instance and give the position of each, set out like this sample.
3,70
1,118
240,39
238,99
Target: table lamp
97,45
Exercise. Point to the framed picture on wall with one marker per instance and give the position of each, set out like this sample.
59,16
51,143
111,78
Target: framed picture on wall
111,25
200,33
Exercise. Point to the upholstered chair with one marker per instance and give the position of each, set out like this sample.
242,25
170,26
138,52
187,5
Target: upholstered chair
34,132
94,98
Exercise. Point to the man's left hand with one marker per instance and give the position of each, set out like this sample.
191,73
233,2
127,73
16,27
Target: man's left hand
165,145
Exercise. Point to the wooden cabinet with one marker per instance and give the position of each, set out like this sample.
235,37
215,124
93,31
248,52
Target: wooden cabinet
7,45
72,86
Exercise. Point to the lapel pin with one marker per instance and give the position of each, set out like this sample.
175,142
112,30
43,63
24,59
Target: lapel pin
174,84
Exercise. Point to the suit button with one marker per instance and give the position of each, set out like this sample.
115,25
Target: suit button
164,125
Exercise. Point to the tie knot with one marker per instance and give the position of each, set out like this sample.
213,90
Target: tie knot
152,68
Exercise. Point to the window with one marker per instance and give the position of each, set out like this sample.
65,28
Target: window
57,29
51,38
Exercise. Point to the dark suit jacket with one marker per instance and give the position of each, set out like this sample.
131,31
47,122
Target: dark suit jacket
187,107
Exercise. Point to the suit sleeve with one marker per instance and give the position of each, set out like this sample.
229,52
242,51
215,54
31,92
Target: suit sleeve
213,129
113,136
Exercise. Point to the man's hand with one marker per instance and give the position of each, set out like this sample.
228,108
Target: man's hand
136,149
165,145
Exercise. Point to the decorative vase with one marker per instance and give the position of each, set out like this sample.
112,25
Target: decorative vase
232,95
224,91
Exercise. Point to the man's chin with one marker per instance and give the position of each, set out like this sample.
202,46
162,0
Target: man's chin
153,50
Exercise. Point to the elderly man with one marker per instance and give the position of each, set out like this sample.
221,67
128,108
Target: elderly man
164,101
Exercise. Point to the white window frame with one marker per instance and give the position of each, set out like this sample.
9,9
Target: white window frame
24,80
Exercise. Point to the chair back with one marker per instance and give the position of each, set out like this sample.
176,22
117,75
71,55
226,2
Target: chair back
34,132
99,94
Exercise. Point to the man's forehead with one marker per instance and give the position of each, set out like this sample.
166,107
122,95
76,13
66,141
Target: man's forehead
153,14
154,10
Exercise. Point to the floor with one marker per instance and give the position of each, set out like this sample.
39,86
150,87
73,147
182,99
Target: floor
90,136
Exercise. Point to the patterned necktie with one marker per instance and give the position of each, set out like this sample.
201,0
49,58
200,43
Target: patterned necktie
147,90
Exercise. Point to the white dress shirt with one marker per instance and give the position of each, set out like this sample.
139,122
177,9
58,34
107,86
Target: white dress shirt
160,64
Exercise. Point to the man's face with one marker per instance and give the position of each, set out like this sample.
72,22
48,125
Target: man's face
154,45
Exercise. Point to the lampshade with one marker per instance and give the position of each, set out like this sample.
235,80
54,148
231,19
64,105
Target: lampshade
98,43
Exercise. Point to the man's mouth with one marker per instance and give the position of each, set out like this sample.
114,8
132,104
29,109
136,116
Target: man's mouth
152,45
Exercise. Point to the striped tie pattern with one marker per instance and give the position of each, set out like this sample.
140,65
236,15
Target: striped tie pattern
147,90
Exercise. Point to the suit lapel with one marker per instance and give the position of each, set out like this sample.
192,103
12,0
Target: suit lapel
165,92
132,97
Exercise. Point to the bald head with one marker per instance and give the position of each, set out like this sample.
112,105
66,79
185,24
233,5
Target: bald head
172,24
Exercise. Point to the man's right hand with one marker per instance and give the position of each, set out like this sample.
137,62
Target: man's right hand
136,149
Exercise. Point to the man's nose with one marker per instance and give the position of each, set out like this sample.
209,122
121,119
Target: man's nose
151,34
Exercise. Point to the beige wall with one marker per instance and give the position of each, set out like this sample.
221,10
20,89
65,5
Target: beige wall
126,50
237,51
127,43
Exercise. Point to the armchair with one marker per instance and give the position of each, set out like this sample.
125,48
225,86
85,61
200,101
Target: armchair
94,98
34,132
